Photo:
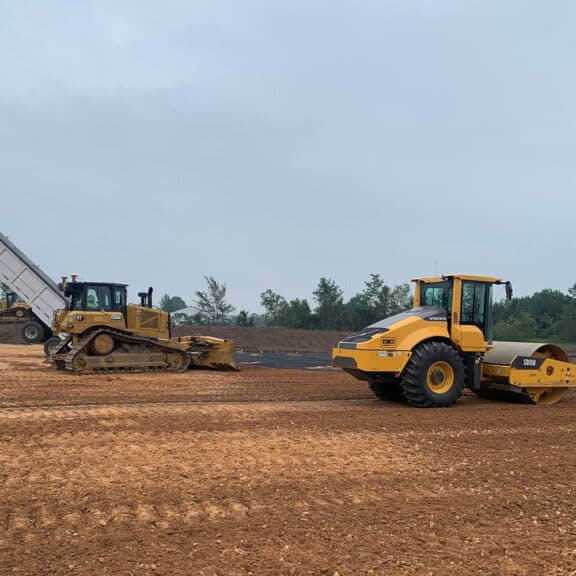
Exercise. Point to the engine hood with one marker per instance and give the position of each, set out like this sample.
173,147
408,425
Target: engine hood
388,327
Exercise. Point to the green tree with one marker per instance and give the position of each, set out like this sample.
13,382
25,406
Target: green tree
359,313
375,302
400,298
211,304
522,327
330,310
565,328
246,319
377,295
171,303
281,313
545,315
276,307
298,314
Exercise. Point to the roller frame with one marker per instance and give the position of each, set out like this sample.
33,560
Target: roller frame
528,365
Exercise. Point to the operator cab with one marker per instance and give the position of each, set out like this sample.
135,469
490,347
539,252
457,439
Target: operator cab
466,299
11,299
96,296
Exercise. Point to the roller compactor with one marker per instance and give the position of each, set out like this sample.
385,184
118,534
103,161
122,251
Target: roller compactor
429,354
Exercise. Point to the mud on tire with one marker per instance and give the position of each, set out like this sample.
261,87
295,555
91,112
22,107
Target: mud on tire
434,376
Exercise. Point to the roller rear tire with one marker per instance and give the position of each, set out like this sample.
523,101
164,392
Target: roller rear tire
386,390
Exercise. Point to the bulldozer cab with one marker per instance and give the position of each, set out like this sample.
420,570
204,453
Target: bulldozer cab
11,299
102,304
96,296
469,307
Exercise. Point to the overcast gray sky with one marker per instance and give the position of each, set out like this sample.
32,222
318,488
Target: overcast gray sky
269,144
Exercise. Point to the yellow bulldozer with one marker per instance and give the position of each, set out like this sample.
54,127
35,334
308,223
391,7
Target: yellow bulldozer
429,354
10,305
99,331
14,312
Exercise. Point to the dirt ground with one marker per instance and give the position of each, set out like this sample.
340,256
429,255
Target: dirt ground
280,472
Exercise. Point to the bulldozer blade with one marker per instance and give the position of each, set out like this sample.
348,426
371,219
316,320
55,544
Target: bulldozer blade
213,353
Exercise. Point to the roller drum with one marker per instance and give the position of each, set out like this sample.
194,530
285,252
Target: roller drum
505,352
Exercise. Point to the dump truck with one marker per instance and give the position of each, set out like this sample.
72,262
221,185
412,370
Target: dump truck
39,294
428,355
98,331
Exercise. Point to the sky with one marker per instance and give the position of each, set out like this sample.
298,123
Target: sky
269,144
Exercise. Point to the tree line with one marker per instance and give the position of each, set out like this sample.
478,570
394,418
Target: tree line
548,315
329,310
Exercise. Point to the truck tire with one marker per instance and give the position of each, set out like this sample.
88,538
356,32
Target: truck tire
389,391
51,344
434,376
32,333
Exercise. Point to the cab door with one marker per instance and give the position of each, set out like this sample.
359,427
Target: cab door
472,325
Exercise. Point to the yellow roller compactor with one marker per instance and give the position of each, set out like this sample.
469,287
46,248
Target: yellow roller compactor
429,354
98,331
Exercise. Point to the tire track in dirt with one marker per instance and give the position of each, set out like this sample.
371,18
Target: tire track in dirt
276,472
131,408
96,515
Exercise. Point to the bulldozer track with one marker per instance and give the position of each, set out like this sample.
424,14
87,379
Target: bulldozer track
74,356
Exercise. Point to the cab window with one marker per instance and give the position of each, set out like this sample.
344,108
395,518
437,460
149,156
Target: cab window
118,298
476,307
437,294
99,298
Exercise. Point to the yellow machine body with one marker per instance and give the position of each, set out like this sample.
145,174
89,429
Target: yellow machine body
117,336
146,322
18,314
430,353
14,308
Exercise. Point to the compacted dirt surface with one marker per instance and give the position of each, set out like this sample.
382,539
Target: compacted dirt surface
282,472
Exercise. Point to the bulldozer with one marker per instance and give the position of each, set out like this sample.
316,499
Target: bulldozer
99,331
14,312
428,355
